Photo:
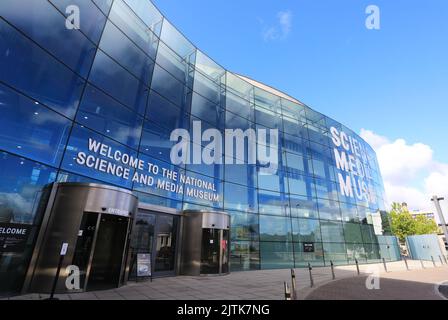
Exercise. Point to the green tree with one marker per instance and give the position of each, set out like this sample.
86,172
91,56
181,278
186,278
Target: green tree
403,224
425,225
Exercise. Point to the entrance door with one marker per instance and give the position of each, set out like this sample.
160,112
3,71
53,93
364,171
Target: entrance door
84,244
109,253
214,251
156,233
210,251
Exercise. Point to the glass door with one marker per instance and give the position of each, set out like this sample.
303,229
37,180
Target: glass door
210,251
83,249
108,256
142,238
165,244
215,251
155,233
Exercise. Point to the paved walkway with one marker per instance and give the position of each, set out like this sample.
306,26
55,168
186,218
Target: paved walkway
250,285
399,285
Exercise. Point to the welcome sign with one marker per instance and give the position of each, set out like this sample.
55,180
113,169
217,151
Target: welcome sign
112,161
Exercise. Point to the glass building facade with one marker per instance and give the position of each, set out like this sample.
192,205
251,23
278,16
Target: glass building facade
127,78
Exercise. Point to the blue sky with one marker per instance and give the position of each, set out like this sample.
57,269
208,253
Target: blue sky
392,82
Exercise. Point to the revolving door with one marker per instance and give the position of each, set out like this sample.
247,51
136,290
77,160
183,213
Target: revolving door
205,245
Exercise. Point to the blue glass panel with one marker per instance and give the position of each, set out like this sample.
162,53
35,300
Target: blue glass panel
349,212
176,41
331,231
240,198
235,122
101,113
302,258
165,113
306,230
329,209
31,130
244,226
318,151
356,251
174,64
326,189
275,228
268,118
239,106
104,5
267,100
156,141
64,176
91,19
272,203
126,20
208,67
207,111
211,89
45,25
363,213
148,13
21,187
294,129
372,252
102,163
208,192
301,185
293,111
240,87
244,255
352,232
166,179
368,233
270,181
319,135
116,81
158,201
244,174
303,206
295,163
212,170
126,53
335,252
295,144
169,87
29,69
276,255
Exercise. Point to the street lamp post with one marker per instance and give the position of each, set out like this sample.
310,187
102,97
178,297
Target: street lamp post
436,200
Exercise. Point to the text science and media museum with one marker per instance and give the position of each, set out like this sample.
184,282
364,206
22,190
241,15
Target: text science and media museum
127,153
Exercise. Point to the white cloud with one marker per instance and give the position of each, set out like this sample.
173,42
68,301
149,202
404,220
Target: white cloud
285,20
409,171
281,29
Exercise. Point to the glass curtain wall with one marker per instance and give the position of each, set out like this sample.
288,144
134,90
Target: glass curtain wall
126,79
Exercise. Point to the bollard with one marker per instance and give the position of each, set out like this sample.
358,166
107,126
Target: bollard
293,285
287,292
332,270
423,265
433,262
406,263
385,266
357,266
311,275
441,261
